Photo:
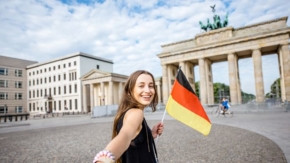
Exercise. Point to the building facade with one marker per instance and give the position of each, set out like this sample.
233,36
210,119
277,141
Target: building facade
229,44
13,85
55,86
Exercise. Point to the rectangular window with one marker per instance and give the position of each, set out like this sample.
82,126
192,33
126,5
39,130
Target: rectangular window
41,81
3,71
45,92
70,104
33,94
98,67
44,80
45,70
18,96
68,64
29,94
37,93
63,65
69,88
59,105
75,75
18,73
58,66
37,82
53,67
59,90
18,109
69,76
41,93
4,83
49,79
3,109
3,95
54,105
76,104
75,63
64,77
33,105
49,69
54,78
64,90
29,83
33,82
54,91
37,72
76,87
41,71
29,106
18,84
58,77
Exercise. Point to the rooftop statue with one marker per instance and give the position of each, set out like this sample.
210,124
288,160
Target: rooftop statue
217,23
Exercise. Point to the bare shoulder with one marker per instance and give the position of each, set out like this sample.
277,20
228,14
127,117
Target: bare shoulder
134,114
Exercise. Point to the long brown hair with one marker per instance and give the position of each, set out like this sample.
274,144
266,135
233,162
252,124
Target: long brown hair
128,101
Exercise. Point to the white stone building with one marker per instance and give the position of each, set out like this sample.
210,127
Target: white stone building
55,86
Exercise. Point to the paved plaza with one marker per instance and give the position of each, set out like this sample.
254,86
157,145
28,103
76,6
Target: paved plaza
258,136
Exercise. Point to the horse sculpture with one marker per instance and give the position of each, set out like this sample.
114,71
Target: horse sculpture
204,27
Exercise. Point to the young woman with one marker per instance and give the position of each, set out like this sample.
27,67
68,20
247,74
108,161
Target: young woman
132,139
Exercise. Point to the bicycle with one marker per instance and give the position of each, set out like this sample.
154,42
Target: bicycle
217,111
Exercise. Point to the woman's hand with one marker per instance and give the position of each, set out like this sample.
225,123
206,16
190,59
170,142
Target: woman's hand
157,129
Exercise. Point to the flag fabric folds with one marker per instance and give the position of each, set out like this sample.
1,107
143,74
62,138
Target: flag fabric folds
184,105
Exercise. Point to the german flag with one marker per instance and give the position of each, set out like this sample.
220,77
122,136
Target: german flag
184,105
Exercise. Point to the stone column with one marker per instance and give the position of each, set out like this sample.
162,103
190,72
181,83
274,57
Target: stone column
85,108
209,82
259,83
102,94
187,69
165,84
120,91
285,71
92,96
233,77
110,93
158,91
202,82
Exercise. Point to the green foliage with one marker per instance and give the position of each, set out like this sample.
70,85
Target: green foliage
222,90
275,89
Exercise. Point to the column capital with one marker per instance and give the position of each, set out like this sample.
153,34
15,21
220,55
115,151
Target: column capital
285,44
255,49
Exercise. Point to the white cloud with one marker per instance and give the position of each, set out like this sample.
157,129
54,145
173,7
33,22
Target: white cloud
128,32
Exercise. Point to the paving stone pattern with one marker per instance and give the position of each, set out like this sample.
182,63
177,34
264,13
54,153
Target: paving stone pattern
178,144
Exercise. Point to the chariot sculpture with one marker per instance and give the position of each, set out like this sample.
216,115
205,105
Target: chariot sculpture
217,23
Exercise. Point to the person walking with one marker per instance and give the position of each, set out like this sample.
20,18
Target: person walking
132,139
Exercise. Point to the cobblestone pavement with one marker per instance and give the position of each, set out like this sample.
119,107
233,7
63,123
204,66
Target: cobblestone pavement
178,144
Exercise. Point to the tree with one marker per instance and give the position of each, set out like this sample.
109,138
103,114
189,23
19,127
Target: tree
222,90
275,89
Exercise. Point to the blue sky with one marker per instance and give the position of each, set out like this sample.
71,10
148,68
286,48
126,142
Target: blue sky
129,32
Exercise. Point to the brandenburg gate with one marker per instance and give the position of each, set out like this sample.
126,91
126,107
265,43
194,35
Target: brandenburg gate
228,44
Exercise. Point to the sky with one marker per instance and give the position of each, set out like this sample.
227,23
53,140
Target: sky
128,32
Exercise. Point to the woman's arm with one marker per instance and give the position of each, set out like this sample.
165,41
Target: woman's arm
131,124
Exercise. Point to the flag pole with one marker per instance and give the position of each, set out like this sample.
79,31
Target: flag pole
165,108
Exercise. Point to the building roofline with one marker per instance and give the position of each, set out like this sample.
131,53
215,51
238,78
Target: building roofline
71,56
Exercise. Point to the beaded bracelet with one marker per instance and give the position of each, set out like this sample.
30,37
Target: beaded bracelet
104,156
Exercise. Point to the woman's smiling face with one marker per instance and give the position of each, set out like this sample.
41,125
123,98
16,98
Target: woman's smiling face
144,90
